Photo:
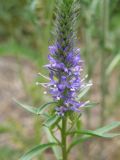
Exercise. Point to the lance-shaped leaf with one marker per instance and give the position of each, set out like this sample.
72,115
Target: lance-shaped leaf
96,133
51,121
101,132
37,111
89,105
108,127
27,107
56,149
78,141
42,108
36,151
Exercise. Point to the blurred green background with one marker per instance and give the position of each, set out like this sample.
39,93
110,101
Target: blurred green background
26,28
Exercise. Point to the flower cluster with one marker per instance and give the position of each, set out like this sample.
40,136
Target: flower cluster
65,79
65,64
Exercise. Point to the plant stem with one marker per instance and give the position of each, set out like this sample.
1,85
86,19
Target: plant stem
64,138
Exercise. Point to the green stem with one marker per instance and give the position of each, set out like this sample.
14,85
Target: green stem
55,137
64,138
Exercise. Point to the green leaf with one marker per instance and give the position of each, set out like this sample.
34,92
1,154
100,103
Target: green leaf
77,141
90,105
108,127
36,151
51,121
42,108
55,149
110,135
27,107
101,132
37,111
95,133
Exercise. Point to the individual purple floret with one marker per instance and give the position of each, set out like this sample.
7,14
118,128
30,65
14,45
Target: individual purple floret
65,79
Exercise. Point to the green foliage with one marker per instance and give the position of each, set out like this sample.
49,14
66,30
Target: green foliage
56,149
87,134
12,15
26,22
36,151
52,121
13,48
29,24
101,132
38,111
8,153
4,129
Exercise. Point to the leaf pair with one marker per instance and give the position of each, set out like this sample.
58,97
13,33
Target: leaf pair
50,122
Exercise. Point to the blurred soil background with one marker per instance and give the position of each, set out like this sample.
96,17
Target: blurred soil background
25,33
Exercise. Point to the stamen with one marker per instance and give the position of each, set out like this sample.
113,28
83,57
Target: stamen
42,84
72,89
58,98
43,76
55,85
45,92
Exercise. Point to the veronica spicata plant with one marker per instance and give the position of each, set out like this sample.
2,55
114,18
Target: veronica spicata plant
67,86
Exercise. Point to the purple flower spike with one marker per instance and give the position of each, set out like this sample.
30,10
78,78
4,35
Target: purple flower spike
52,49
65,79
